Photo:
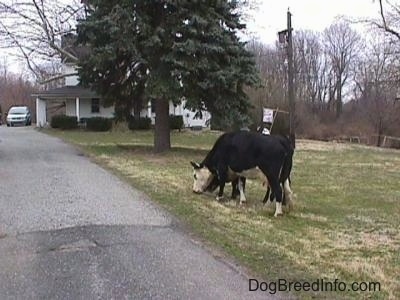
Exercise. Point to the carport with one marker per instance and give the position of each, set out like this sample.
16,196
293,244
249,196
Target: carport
63,95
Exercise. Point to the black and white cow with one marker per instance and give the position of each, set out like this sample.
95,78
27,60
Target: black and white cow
249,155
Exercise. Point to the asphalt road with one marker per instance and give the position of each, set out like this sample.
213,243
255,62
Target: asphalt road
71,230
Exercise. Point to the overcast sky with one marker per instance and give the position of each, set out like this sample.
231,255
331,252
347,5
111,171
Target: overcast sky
270,17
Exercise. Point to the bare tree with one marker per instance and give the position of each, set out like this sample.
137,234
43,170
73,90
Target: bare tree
15,89
270,61
342,45
390,24
33,31
311,69
376,83
389,20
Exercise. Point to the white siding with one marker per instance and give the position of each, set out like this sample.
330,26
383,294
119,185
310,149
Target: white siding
189,119
85,107
70,108
70,80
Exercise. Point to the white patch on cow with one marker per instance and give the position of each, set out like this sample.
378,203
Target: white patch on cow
231,176
202,178
278,210
242,195
253,173
288,194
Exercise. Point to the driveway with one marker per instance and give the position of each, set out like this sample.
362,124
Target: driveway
71,230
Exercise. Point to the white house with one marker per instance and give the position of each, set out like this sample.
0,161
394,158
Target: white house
84,103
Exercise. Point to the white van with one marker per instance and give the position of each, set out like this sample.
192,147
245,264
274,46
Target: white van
19,115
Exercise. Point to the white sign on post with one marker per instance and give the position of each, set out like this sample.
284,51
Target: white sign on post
268,115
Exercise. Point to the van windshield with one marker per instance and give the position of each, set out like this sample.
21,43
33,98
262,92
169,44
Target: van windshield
17,110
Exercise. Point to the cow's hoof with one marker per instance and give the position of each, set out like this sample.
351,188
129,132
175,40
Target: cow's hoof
278,214
242,203
278,209
219,199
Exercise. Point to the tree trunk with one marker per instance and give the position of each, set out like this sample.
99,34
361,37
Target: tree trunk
378,144
162,141
137,107
339,102
138,100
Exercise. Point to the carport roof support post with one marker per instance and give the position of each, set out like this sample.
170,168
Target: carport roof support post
41,117
77,108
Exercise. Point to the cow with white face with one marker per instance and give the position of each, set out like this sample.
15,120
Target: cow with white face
202,178
247,155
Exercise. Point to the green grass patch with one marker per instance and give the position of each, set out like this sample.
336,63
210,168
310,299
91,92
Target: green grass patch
345,223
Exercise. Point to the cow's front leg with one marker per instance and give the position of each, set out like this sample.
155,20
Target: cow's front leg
220,194
222,176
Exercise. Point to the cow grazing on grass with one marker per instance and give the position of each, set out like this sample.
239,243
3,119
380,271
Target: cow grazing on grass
249,155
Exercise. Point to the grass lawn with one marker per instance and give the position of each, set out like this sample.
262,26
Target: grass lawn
345,224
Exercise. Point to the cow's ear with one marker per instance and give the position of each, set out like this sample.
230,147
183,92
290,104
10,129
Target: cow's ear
195,165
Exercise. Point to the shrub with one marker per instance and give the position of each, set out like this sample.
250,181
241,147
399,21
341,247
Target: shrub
64,122
395,144
99,124
83,121
143,123
175,122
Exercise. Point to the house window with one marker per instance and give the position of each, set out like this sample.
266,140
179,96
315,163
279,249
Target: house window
153,105
95,105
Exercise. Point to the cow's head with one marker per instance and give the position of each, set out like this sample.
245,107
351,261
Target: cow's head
202,177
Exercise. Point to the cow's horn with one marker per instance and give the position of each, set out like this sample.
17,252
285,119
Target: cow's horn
195,165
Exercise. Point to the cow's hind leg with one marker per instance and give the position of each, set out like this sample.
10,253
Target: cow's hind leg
288,194
241,185
267,195
235,188
276,189
273,179
222,176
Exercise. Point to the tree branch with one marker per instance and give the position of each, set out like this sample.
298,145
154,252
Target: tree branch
57,77
385,25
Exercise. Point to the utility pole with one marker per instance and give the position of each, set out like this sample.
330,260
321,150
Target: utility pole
285,37
292,134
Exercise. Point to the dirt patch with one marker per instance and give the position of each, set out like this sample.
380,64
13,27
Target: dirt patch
313,217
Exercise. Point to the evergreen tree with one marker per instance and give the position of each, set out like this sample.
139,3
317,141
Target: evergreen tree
166,50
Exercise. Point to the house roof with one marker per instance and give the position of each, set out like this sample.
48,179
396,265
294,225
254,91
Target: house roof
72,91
69,44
